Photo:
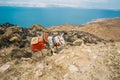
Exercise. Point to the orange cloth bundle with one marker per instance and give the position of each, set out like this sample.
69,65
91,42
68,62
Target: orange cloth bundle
39,45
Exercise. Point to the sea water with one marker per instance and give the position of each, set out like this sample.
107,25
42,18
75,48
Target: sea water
51,16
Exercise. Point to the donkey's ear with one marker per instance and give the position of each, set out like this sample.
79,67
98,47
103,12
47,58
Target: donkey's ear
62,34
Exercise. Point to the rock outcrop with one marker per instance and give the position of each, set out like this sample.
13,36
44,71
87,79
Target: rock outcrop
6,25
38,27
71,36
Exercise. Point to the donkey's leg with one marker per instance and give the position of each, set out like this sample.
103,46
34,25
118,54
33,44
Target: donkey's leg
52,49
56,48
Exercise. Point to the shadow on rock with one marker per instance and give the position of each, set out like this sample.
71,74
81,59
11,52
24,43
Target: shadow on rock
18,54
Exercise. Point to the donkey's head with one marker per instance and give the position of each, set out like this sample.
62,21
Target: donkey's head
62,39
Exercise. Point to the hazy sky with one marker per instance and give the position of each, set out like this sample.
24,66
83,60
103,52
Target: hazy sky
98,4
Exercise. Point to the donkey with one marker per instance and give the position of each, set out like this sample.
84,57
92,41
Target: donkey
56,41
38,43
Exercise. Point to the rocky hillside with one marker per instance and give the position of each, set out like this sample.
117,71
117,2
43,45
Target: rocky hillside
85,56
83,62
108,29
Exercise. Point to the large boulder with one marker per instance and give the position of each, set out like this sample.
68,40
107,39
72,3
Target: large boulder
15,38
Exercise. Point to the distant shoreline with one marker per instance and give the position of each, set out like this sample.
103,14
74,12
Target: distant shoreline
92,21
20,6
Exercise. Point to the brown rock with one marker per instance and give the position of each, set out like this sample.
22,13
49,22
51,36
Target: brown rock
38,27
78,42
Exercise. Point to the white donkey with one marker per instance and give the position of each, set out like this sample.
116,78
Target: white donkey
56,41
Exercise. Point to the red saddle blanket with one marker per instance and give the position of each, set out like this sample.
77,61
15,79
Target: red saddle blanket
37,44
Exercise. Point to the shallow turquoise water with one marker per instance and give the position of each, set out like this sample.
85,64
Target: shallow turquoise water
27,16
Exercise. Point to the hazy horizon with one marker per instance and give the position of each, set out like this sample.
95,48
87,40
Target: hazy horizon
86,4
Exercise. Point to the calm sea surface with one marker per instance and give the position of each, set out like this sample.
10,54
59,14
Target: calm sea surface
27,16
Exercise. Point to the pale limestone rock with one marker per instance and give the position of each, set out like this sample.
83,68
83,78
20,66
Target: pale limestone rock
4,67
73,68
